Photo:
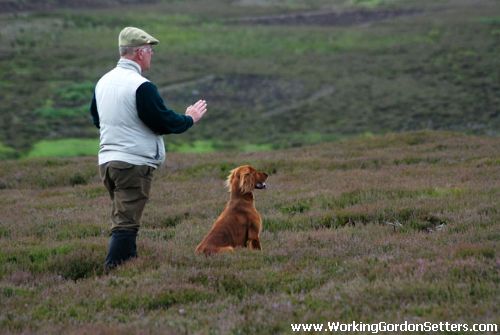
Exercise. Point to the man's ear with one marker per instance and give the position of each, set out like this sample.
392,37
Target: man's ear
140,54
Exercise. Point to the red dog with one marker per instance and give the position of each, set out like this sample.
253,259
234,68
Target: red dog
240,224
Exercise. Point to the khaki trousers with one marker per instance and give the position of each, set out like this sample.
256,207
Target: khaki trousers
128,186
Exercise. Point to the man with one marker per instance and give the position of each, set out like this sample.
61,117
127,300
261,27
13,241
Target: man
132,118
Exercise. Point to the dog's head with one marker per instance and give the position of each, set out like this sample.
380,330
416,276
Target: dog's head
245,179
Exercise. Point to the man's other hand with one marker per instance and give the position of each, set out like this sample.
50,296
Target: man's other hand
197,110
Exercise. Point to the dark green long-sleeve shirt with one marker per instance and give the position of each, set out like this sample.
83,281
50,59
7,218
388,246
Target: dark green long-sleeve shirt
152,111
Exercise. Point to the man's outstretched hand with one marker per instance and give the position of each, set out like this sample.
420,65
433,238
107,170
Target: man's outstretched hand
197,110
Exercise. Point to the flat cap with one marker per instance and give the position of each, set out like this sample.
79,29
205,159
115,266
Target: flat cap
135,37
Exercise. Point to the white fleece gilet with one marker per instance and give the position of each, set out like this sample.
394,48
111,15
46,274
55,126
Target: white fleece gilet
123,136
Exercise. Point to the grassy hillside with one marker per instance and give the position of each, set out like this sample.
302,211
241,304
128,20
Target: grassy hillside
275,73
386,228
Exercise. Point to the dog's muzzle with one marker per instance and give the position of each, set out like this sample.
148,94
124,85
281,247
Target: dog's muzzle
260,186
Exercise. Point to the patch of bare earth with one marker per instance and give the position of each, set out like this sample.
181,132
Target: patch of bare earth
349,18
14,6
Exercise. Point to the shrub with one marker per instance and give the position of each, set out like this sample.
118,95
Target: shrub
78,179
82,262
296,208
7,152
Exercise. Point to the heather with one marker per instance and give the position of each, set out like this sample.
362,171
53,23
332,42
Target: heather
377,121
375,228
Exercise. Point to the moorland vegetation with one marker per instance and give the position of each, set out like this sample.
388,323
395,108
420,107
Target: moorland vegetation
391,228
366,218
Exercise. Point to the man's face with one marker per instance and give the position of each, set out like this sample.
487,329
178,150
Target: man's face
144,54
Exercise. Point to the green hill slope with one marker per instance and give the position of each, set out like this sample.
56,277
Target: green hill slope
275,74
381,229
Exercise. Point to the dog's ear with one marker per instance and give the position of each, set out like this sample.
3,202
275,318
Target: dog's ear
230,179
247,181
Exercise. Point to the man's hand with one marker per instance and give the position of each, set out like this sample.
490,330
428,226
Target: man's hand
197,110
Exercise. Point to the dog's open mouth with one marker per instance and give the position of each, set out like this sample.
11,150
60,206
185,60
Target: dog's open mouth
260,186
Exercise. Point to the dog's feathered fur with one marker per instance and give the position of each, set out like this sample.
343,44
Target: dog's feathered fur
239,225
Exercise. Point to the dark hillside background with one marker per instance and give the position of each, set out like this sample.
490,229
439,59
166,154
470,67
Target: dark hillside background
275,73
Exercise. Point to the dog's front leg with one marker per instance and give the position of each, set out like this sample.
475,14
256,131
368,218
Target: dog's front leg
253,240
255,244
